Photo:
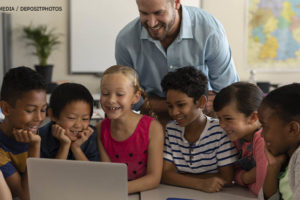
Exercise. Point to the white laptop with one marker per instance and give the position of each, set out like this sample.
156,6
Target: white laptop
53,179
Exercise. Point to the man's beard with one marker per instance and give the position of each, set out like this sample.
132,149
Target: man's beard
165,26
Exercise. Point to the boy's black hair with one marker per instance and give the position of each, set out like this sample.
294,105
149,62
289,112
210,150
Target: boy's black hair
188,80
67,93
285,102
18,81
247,96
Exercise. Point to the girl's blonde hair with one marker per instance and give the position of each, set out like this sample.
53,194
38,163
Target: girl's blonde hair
131,74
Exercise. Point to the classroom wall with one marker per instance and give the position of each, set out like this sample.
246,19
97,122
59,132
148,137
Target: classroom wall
232,14
54,19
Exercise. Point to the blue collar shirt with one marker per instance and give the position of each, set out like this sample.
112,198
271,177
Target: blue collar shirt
201,43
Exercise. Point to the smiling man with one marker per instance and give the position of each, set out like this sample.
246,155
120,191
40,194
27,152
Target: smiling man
168,36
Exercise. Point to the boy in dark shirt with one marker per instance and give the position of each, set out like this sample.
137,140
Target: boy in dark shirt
23,103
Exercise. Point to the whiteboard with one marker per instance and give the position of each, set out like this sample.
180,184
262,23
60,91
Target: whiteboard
94,26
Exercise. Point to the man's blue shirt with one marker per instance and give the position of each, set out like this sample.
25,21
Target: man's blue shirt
201,43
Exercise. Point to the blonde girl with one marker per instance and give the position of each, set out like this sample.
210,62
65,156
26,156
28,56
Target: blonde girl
125,136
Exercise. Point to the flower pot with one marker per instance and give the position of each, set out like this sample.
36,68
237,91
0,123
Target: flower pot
45,71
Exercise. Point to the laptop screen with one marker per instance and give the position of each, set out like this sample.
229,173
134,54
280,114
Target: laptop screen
51,179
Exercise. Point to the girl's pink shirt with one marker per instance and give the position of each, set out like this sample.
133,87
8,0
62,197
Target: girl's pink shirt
260,159
133,151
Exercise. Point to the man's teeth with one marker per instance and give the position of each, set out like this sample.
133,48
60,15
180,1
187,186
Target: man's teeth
155,28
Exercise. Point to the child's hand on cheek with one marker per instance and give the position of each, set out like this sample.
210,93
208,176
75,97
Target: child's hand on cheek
275,161
60,133
25,136
82,137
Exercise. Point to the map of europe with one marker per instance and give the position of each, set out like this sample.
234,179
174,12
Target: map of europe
274,34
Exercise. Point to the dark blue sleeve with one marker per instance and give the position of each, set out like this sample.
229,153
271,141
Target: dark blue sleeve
6,165
49,145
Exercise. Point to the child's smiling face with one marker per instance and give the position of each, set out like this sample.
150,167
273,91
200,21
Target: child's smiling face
29,111
234,122
275,131
182,108
117,95
74,118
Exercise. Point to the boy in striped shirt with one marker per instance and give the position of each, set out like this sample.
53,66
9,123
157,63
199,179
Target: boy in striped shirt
197,153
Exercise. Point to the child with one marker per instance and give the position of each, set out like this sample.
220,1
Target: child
23,102
279,115
197,154
4,190
236,107
128,137
68,135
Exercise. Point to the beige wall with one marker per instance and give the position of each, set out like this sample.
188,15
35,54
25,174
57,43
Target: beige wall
57,20
232,14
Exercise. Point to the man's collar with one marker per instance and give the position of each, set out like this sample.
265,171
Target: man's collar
185,27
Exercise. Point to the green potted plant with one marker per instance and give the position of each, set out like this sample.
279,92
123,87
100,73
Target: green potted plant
44,41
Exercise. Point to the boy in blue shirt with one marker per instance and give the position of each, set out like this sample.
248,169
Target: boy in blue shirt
69,135
23,103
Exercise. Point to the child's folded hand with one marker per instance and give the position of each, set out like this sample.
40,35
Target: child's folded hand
59,133
25,136
275,161
83,136
213,184
249,177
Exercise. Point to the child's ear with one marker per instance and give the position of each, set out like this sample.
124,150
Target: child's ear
5,108
51,116
253,118
136,97
202,102
294,129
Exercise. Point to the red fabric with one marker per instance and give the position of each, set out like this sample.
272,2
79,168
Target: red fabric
132,151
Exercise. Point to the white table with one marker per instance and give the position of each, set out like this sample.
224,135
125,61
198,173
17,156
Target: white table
166,191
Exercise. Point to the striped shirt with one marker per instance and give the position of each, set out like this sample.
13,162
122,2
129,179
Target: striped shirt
212,150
